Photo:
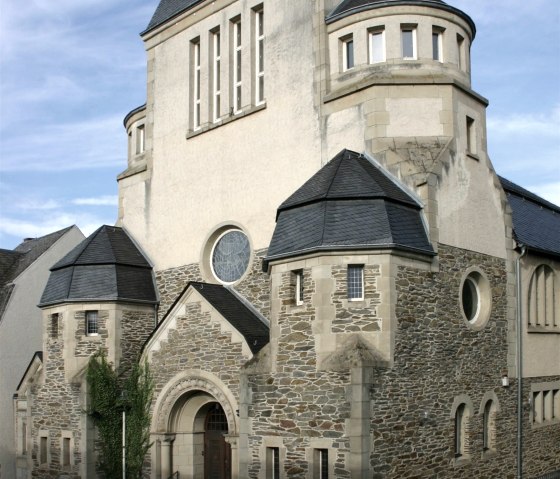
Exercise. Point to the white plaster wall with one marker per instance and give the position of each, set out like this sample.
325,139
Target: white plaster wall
541,351
471,214
238,172
21,336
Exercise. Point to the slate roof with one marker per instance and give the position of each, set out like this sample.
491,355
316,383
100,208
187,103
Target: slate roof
350,203
107,266
536,222
16,261
167,9
243,318
350,7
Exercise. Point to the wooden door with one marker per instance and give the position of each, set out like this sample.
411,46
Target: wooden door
217,452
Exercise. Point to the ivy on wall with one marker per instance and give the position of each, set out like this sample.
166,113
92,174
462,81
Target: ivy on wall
109,395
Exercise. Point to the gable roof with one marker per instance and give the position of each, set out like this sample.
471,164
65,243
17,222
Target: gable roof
106,266
536,222
15,262
232,307
350,7
350,203
167,9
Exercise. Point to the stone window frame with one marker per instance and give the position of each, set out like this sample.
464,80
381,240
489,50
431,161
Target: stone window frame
216,80
542,277
258,46
299,287
461,53
236,78
196,79
461,435
269,445
413,28
55,325
140,139
544,399
489,425
437,41
347,53
349,297
68,438
90,333
317,446
43,435
479,279
373,32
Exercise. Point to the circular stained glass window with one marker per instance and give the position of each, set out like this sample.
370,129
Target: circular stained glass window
230,256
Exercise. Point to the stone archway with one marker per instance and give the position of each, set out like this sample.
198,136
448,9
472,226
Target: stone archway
180,423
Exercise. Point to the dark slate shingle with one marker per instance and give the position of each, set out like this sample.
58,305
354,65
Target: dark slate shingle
349,7
167,9
244,319
106,266
536,222
349,204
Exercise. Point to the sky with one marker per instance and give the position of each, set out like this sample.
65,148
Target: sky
70,70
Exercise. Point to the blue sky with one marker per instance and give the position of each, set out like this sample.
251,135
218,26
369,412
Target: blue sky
70,70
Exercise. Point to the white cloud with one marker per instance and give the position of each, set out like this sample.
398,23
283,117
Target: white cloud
107,200
37,205
543,124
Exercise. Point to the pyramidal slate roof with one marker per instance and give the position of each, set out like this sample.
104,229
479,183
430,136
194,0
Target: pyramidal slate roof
106,266
350,7
167,9
350,203
536,222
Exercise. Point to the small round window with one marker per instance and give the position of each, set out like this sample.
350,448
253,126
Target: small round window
475,298
230,256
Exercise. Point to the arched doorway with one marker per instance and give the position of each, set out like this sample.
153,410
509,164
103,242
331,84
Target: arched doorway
217,452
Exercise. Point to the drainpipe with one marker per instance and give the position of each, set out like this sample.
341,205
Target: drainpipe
519,365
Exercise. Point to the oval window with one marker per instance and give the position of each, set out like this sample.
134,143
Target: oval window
475,299
230,256
471,299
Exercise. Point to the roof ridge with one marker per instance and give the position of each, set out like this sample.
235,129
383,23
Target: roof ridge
518,190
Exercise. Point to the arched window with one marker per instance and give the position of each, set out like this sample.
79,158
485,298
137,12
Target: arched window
460,423
542,311
488,426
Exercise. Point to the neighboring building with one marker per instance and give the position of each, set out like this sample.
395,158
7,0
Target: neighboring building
24,272
315,256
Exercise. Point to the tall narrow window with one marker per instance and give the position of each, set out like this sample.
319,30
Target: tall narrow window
321,464
24,438
488,426
556,404
272,463
461,60
66,451
43,449
471,135
298,287
216,75
140,139
347,53
92,326
408,41
460,417
355,281
437,44
377,46
542,299
196,84
54,325
537,406
259,56
237,67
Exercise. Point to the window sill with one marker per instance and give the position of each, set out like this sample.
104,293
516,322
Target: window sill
543,329
461,461
474,156
489,453
225,120
539,425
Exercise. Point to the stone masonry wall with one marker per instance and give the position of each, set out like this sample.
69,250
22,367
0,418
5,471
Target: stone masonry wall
56,408
438,357
255,286
87,345
136,327
298,403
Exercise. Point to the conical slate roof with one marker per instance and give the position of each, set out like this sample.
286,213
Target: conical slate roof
349,7
349,204
107,266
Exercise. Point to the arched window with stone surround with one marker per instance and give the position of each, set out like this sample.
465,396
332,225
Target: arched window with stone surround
461,412
542,307
489,426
